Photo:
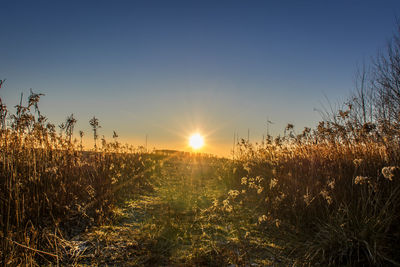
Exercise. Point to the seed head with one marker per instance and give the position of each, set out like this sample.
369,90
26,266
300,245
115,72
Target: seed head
361,180
390,172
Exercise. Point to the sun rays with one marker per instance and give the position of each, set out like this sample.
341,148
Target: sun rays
196,141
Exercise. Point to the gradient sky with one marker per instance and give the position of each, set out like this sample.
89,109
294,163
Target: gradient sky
170,68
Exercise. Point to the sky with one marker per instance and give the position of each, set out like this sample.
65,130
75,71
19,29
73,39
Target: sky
167,69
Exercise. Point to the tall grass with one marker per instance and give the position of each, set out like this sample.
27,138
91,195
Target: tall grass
51,188
332,194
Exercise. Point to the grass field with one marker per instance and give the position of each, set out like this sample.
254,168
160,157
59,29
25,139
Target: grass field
180,222
328,196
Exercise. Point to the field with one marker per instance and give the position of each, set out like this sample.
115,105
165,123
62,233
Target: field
116,126
180,222
325,196
330,196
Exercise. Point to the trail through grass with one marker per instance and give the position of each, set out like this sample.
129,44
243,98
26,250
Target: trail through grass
176,224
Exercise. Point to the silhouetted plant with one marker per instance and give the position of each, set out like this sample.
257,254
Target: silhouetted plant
94,122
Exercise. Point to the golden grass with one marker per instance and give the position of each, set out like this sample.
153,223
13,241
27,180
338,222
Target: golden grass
333,194
51,189
328,196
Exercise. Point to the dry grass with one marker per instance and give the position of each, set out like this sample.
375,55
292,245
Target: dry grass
51,189
329,196
332,195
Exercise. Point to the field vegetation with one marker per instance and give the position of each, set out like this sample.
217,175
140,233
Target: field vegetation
51,188
325,196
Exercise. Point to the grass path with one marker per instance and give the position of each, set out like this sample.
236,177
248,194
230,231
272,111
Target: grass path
176,225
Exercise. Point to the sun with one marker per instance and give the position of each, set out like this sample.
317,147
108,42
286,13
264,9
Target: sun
196,141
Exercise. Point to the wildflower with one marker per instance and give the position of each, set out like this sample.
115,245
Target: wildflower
227,206
244,181
247,235
326,196
361,180
262,219
308,199
273,183
252,185
331,184
357,162
233,193
215,202
390,172
259,190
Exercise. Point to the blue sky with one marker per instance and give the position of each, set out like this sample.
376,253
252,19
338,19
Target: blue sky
169,68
